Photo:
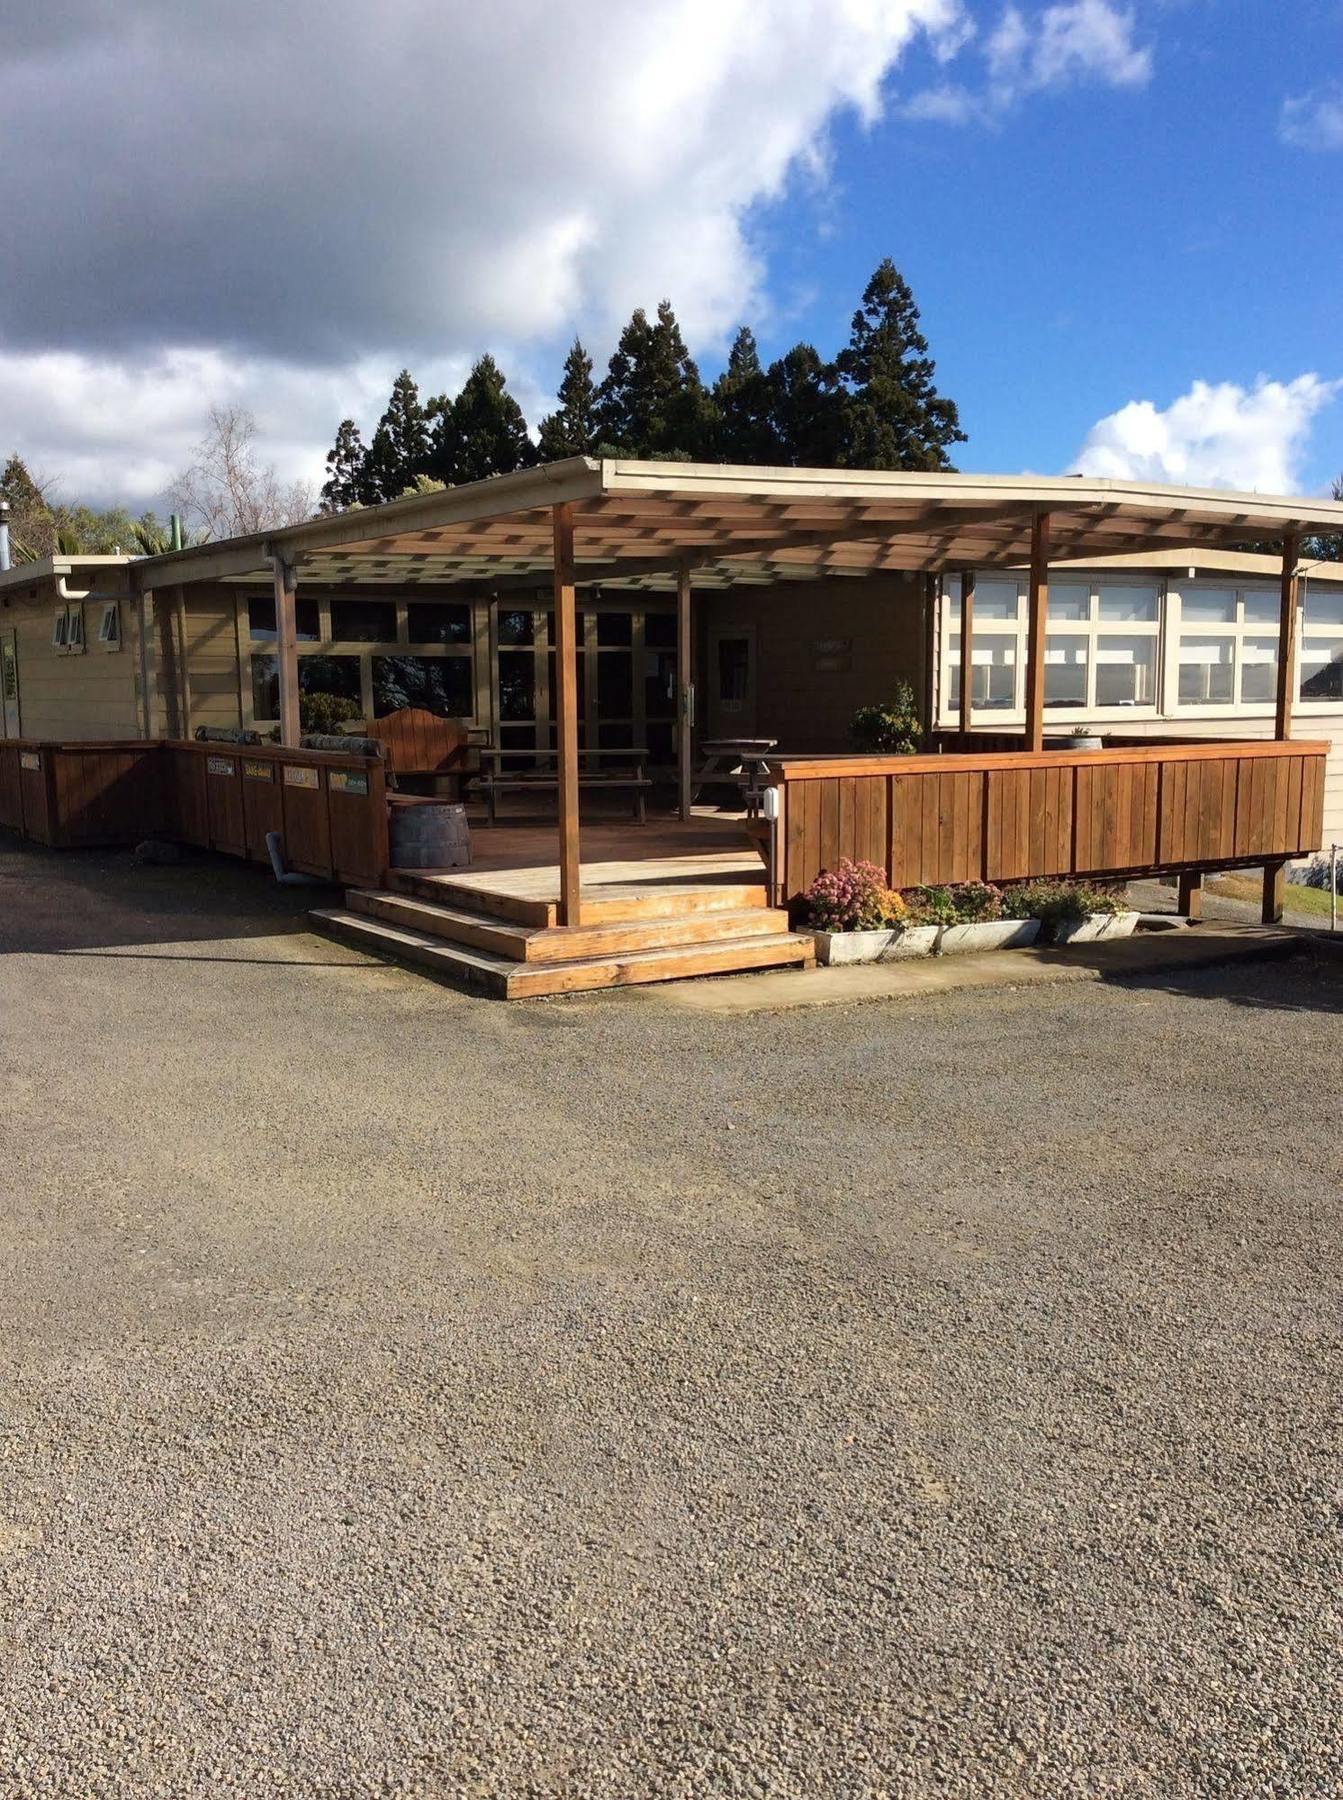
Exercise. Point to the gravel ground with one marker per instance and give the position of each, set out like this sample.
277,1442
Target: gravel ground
409,1394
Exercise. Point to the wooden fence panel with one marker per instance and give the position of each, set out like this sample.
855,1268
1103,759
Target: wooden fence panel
307,826
357,812
11,796
35,792
262,806
223,800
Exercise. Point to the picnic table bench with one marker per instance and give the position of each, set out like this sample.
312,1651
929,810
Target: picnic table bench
537,771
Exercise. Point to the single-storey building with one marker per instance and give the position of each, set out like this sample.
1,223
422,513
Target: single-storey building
590,608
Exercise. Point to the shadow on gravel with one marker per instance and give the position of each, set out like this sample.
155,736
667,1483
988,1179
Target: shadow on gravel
60,901
1300,982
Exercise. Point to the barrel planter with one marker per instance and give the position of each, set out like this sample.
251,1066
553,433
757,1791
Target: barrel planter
428,834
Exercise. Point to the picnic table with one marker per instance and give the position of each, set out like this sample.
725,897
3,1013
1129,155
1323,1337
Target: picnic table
740,761
537,771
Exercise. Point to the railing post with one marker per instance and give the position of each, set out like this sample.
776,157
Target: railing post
685,686
286,647
1275,881
566,723
1287,615
1037,611
1190,902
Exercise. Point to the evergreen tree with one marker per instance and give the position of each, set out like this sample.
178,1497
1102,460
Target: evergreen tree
570,429
32,524
346,481
894,417
742,401
652,401
399,450
482,432
804,410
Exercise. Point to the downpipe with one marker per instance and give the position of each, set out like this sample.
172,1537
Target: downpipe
287,877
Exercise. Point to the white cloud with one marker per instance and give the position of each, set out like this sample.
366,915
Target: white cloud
1217,435
1313,121
294,193
1067,44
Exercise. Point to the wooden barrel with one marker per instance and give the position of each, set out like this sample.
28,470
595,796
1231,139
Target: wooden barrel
424,833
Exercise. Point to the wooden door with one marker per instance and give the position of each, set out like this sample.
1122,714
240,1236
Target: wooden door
731,709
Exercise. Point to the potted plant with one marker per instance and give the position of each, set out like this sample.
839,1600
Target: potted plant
977,920
890,729
1072,912
855,917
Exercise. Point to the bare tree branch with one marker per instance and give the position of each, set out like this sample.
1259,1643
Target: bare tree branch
227,492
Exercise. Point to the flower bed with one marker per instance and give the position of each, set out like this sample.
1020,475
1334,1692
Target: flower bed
855,917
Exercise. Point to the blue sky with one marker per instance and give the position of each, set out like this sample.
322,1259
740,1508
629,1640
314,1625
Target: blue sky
1097,244
1121,218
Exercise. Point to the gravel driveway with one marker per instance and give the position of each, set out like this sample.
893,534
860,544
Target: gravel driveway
409,1394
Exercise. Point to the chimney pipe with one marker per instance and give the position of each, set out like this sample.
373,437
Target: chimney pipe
175,530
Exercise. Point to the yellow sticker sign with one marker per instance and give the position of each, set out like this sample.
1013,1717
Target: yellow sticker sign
258,771
297,776
348,781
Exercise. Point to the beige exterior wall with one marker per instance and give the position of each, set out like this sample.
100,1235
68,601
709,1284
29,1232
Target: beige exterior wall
214,668
93,693
822,650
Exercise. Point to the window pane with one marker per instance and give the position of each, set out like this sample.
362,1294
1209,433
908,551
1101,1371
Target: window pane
265,688
1322,608
1066,669
517,684
954,670
994,661
438,622
660,631
1259,668
1321,669
580,664
734,669
1209,606
1206,671
615,684
1068,600
1128,605
516,628
660,684
1262,606
995,600
660,743
614,628
1126,670
615,737
329,675
439,684
261,618
363,621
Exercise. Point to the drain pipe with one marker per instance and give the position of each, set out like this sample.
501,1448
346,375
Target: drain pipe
287,877
4,535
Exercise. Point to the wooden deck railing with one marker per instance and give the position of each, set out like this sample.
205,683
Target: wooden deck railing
329,808
1010,816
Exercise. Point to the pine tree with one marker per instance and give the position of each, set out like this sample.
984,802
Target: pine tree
652,401
804,410
346,481
482,432
570,429
742,401
32,524
894,417
399,450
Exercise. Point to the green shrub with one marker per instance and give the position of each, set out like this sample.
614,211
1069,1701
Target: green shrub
892,729
321,712
1059,902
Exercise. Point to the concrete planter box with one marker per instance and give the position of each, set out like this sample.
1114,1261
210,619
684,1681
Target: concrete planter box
1094,927
987,934
836,947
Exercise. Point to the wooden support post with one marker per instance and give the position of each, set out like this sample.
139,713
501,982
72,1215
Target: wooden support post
566,714
967,643
685,687
1287,617
1275,881
1037,611
1190,903
286,647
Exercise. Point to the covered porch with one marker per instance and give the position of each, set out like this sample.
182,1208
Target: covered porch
994,811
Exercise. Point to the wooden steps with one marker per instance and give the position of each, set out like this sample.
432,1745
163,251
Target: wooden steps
510,977
606,904
558,943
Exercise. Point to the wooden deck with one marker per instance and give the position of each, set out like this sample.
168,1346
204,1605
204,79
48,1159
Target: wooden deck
662,901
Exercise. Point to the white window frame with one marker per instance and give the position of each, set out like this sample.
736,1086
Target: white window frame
1237,631
1333,633
1093,628
109,626
60,630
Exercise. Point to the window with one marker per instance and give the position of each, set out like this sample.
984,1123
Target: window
440,684
261,618
1225,656
316,675
517,628
660,631
109,626
363,621
60,625
1321,644
438,622
74,631
615,629
1102,646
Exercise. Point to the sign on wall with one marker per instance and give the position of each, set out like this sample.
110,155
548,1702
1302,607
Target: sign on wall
348,781
258,771
29,759
220,765
297,776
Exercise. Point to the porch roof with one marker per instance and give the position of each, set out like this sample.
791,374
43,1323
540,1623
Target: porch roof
636,523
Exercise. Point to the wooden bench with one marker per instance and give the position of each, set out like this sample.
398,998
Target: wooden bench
417,742
617,770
